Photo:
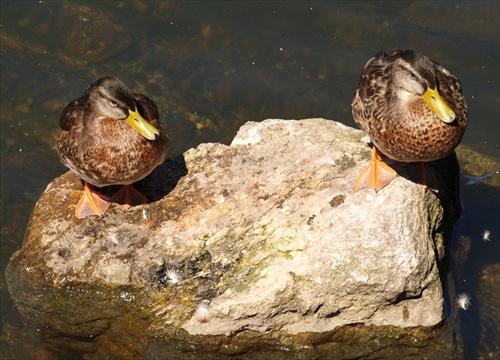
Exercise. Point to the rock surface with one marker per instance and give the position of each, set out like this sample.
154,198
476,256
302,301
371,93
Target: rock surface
262,242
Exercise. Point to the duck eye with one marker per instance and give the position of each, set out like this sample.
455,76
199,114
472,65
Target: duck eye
113,103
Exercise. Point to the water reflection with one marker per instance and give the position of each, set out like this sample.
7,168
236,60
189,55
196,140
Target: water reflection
212,66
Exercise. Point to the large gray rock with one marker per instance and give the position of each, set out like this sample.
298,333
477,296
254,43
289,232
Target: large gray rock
259,242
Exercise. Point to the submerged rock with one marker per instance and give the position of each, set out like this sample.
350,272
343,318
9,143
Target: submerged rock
257,246
88,35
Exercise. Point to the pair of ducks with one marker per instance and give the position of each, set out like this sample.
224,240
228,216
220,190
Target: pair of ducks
412,109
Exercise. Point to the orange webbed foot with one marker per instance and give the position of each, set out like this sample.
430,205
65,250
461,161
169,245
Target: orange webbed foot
91,203
376,175
422,174
128,196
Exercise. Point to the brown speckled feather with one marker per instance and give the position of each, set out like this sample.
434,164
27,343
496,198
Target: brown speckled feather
108,151
407,132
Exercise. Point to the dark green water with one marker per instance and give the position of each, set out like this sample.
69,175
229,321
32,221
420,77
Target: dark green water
211,67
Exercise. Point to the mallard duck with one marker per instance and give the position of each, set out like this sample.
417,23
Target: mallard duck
412,109
111,136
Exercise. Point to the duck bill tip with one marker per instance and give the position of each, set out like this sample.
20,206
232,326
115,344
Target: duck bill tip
439,106
142,126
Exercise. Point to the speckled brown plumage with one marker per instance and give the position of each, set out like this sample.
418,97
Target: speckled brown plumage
407,131
389,106
97,142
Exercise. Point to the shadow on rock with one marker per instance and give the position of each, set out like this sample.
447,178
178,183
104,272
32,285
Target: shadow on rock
159,183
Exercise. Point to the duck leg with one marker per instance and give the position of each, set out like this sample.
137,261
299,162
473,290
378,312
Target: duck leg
376,175
91,203
426,170
421,173
128,196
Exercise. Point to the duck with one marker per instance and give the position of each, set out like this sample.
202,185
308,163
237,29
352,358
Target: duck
111,136
413,111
